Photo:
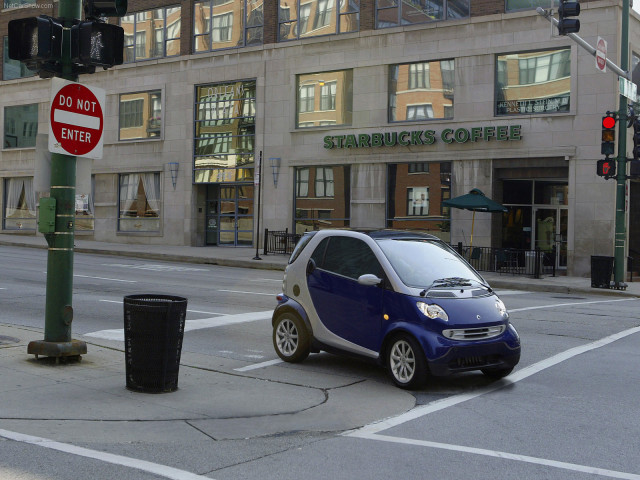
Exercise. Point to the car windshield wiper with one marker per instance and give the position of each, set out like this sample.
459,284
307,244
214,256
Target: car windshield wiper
452,282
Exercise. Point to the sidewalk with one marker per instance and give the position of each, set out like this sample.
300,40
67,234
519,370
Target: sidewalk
243,257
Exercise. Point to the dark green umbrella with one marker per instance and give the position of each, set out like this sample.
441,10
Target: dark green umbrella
476,201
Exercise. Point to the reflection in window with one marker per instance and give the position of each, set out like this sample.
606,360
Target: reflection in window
393,13
151,34
20,126
415,195
19,204
322,198
513,5
335,91
140,200
420,91
84,208
12,69
635,68
533,82
224,132
140,115
226,24
312,18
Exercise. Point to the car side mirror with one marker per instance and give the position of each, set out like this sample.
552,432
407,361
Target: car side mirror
369,279
311,266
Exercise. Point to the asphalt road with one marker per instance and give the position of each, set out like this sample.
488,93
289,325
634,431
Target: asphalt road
570,410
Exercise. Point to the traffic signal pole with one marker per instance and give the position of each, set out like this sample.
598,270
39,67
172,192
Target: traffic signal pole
59,292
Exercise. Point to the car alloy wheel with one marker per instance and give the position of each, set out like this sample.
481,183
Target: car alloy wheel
406,363
290,338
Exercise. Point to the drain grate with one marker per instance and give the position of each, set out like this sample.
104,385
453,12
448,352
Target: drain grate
6,340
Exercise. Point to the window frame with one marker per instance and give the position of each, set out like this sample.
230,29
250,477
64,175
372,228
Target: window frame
136,49
248,24
30,127
151,121
157,180
399,18
294,20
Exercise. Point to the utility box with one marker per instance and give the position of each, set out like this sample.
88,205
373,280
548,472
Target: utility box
47,215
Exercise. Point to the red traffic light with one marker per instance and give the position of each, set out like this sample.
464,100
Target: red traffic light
608,122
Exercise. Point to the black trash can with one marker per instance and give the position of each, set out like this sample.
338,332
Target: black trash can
601,271
153,333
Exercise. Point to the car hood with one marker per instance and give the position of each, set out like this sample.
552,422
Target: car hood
468,310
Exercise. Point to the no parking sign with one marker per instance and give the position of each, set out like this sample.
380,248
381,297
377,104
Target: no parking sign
76,122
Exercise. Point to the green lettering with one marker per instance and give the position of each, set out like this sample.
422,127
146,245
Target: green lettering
390,139
445,135
415,137
401,138
350,142
363,140
376,139
429,137
461,135
328,142
514,132
489,132
502,133
339,139
476,133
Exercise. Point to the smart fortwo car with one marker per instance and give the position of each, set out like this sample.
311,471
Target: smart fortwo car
404,299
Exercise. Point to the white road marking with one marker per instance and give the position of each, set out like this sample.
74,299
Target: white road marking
255,366
221,321
103,278
505,455
500,293
188,310
156,267
154,468
569,304
250,293
279,280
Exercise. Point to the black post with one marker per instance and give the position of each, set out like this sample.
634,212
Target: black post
536,267
257,257
554,253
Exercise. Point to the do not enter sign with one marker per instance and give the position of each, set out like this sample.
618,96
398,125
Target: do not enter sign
76,122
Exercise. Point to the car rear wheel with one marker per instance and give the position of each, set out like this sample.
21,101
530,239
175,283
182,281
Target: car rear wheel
496,373
406,363
290,338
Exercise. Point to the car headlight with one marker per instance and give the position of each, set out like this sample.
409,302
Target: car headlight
433,311
514,331
501,308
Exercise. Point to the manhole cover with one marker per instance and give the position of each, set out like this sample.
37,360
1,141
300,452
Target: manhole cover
4,340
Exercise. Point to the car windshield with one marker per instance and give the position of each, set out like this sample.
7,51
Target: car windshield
424,263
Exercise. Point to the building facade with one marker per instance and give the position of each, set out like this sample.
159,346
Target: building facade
362,113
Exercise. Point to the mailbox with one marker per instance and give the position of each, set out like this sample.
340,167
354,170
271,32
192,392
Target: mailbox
47,215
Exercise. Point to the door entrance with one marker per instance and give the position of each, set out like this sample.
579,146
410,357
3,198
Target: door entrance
550,228
229,215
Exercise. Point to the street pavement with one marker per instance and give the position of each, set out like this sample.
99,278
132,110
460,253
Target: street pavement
213,397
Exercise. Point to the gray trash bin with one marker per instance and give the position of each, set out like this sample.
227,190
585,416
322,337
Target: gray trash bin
153,333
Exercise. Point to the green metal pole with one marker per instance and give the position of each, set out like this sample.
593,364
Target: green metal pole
58,310
621,177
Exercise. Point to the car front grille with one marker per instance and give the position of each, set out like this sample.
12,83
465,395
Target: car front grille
468,334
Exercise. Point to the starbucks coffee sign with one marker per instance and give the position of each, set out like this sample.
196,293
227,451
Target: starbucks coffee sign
424,137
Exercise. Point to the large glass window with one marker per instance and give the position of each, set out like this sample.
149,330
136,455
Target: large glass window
84,208
415,195
533,82
140,201
322,197
219,24
225,132
311,18
20,126
325,99
12,69
151,34
419,91
140,115
19,204
393,13
635,68
513,5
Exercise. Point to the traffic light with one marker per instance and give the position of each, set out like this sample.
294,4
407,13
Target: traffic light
608,135
105,8
568,25
35,41
97,44
606,168
636,138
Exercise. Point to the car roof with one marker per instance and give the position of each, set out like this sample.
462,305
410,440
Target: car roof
384,234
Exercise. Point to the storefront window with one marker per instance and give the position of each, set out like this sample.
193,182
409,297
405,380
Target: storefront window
12,69
20,126
140,201
151,34
533,82
415,195
84,208
513,5
324,99
19,204
393,13
140,115
219,24
635,68
421,91
313,18
323,196
225,132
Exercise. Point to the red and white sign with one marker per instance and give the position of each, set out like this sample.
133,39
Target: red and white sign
601,54
76,122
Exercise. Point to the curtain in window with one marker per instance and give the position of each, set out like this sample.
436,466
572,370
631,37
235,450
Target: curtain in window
14,190
128,191
151,184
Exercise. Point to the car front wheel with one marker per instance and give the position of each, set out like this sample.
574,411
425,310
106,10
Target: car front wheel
290,338
406,363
